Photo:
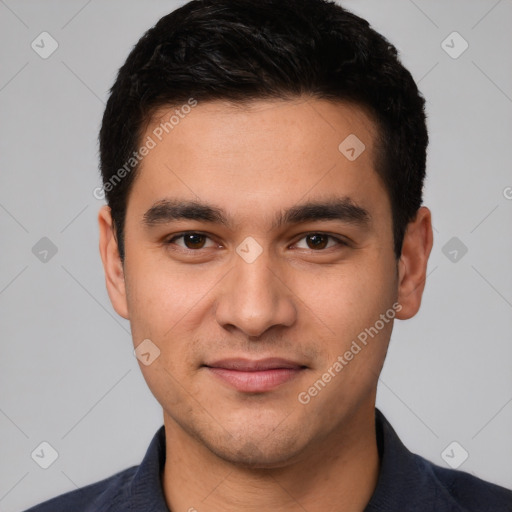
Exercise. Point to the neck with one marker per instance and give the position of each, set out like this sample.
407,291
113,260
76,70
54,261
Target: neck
335,473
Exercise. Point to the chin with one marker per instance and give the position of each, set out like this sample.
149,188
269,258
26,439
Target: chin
257,450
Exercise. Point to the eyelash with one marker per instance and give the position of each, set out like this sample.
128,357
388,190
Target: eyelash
338,241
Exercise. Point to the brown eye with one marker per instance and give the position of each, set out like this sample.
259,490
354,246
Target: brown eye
192,241
317,241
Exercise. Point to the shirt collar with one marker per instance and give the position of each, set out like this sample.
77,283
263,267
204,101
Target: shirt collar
405,482
147,493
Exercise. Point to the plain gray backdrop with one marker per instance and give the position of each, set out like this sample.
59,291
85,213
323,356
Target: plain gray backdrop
68,376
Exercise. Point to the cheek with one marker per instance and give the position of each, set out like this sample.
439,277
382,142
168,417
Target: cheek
162,310
344,305
169,308
350,294
158,299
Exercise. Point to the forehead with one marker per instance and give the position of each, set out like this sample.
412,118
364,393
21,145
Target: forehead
302,125
261,156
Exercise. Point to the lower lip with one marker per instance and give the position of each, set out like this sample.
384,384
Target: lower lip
256,381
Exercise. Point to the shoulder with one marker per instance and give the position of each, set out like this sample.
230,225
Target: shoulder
109,494
468,491
408,481
137,488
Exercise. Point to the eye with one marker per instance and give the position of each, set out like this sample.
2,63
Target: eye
191,240
194,241
320,241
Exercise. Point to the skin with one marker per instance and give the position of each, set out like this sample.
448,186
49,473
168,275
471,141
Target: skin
232,450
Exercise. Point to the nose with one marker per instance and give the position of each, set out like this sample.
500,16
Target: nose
254,297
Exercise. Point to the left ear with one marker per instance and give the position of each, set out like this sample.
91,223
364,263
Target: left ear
412,271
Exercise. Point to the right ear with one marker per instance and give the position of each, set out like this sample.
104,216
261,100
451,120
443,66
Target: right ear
112,264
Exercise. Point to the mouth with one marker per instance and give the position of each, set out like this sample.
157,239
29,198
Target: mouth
255,376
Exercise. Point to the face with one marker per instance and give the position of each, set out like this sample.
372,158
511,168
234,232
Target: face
258,255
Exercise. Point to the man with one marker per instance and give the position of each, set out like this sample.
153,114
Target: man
263,163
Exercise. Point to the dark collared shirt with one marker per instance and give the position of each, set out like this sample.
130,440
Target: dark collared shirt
407,482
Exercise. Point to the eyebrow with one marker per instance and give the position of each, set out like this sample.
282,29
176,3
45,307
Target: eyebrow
341,209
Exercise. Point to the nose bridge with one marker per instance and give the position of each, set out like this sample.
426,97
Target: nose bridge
253,299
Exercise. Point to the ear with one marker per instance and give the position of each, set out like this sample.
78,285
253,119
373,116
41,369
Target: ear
412,266
112,264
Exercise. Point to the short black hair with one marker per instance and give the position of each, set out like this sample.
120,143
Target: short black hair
245,50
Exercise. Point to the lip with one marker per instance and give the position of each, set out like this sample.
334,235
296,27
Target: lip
253,365
255,376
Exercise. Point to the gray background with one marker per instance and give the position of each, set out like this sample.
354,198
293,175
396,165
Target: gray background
67,371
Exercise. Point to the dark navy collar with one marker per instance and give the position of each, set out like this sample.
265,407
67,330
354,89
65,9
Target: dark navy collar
406,482
147,493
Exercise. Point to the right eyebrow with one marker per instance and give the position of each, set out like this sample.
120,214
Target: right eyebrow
168,210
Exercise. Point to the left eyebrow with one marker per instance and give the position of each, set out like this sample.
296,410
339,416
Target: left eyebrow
341,209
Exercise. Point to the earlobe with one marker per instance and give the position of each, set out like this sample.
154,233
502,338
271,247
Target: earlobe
412,271
112,264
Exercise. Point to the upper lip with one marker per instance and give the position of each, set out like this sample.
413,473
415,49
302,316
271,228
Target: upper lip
253,365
